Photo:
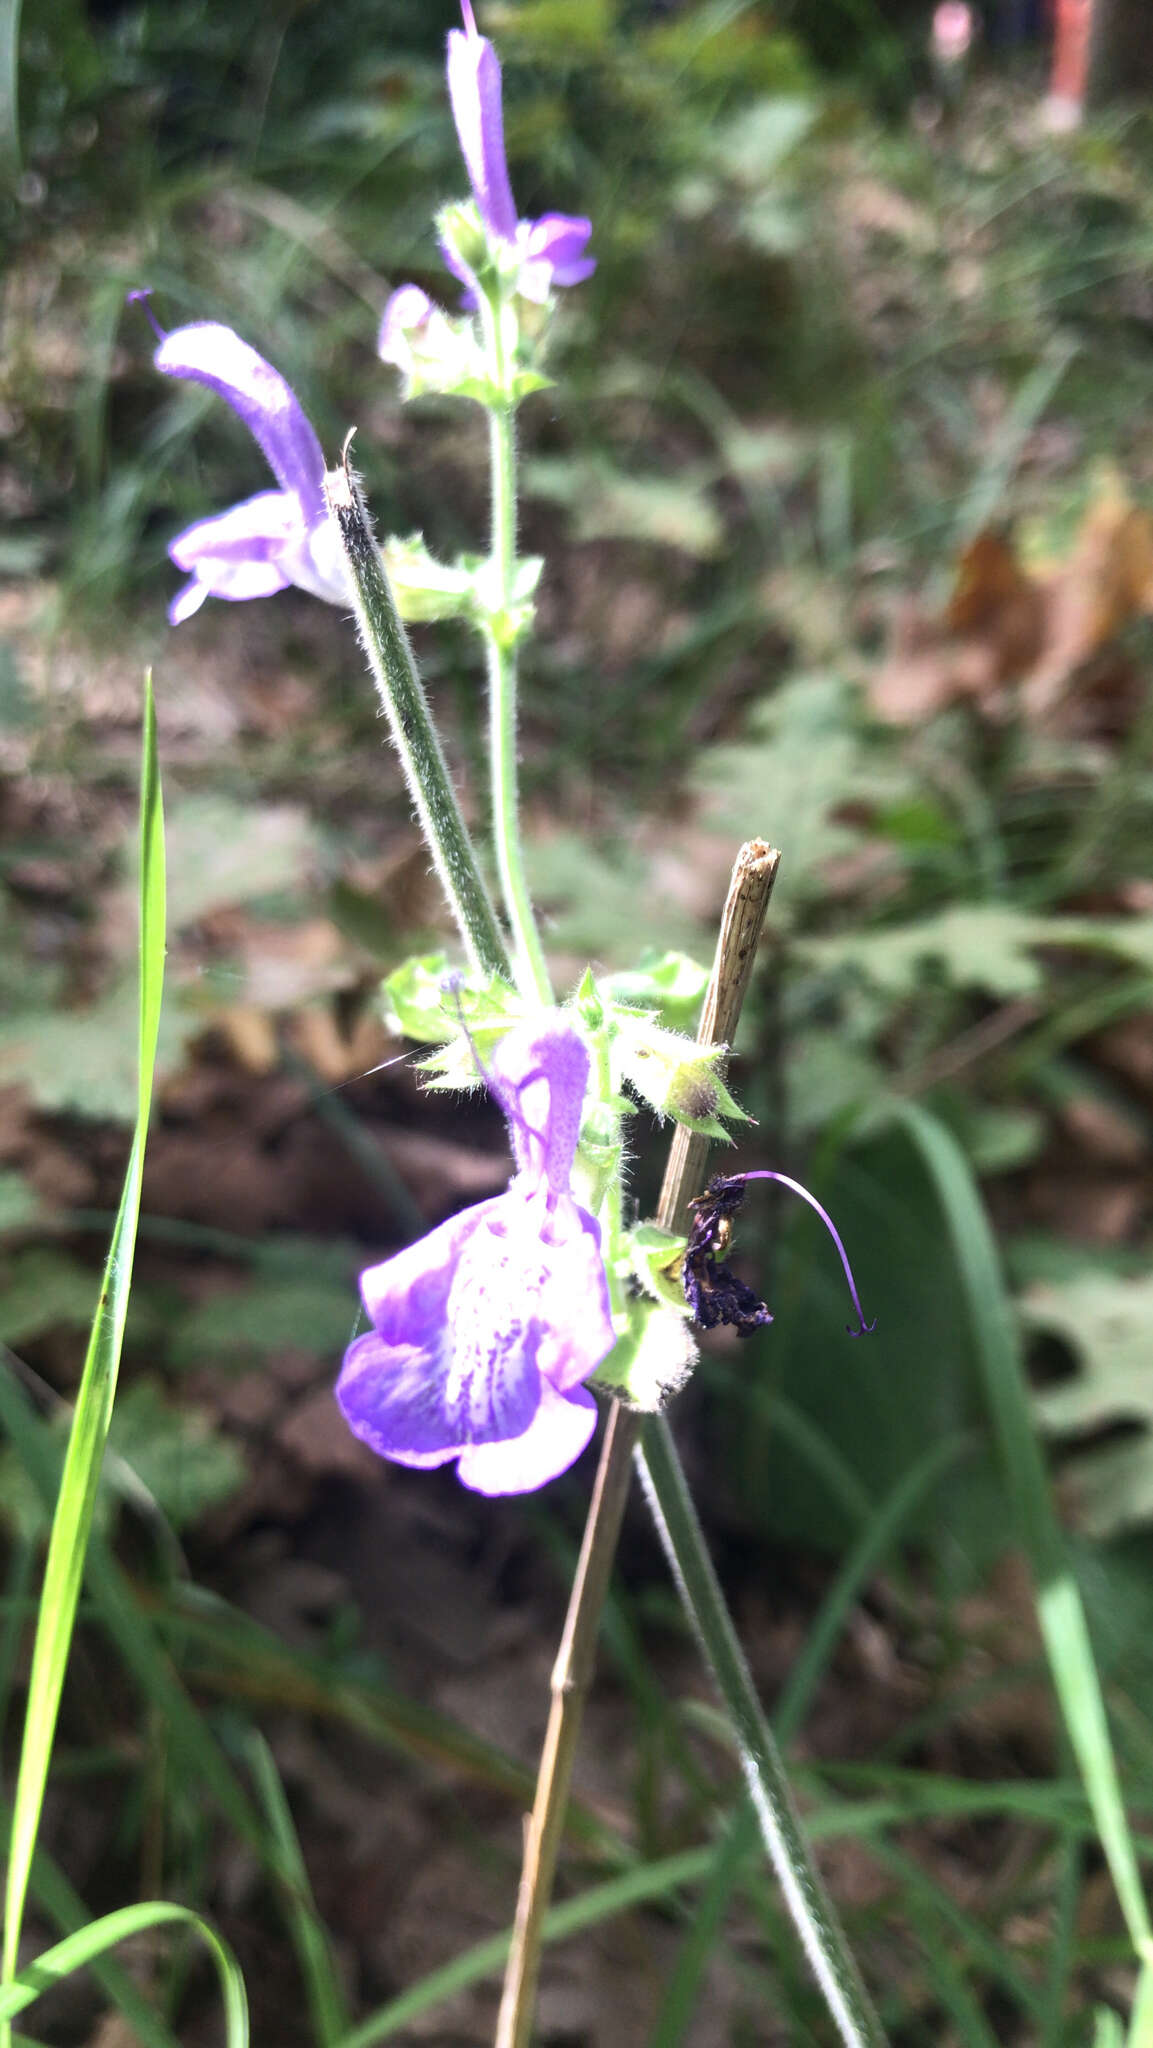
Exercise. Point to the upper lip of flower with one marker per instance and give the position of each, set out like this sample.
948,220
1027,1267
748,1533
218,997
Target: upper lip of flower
551,246
277,537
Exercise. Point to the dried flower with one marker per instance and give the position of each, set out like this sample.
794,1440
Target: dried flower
712,1289
484,1330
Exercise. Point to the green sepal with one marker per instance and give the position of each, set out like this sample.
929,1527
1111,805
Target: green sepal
588,1003
674,1075
670,983
419,1004
651,1361
655,1258
424,588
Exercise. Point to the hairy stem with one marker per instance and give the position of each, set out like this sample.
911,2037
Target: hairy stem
414,736
500,649
805,1896
749,889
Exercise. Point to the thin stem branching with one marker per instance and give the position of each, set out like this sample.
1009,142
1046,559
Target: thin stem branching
749,889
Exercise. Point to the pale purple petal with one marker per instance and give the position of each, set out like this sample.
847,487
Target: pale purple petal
257,530
554,1440
539,1078
484,1330
475,92
470,296
210,354
579,1332
560,239
406,313
451,1359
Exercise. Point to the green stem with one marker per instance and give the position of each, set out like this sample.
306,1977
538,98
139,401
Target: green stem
414,736
531,967
811,1909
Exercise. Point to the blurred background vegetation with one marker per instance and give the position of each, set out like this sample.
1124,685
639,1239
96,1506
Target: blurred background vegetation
844,490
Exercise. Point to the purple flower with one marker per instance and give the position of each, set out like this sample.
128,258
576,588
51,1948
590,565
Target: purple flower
551,249
277,537
484,1330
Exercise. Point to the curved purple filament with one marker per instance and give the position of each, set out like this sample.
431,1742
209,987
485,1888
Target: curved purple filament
794,1186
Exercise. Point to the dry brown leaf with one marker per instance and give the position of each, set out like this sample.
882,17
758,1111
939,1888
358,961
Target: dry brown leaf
1105,584
1004,625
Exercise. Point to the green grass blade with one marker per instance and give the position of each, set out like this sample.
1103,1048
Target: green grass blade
191,1742
683,1991
64,1906
814,1919
10,154
309,1935
88,1943
487,1959
867,1553
1060,1609
988,489
1140,2033
72,1521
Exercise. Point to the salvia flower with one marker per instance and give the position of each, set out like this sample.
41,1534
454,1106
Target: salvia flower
484,1331
278,537
713,1291
551,249
534,256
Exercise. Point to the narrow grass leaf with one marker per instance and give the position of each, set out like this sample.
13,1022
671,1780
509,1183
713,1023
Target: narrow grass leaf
309,1935
80,1479
877,1538
811,1909
78,1950
10,11
63,1905
487,1959
1059,1604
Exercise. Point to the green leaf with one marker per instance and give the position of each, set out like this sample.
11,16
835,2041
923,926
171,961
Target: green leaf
1107,1322
670,983
19,1206
82,1060
798,767
177,1453
80,1480
271,1314
222,852
41,1289
674,511
426,1000
987,946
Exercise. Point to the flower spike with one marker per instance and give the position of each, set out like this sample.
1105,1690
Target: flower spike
712,1290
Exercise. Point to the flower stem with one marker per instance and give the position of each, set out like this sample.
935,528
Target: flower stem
414,736
812,1912
500,648
754,872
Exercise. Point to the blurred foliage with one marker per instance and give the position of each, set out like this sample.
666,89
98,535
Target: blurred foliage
824,351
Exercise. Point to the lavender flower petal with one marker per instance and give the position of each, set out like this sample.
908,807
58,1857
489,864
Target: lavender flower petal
484,1330
552,249
210,354
475,92
554,1440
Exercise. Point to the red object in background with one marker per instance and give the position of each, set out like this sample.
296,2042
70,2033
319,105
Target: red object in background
1072,21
